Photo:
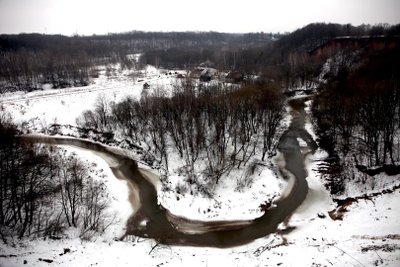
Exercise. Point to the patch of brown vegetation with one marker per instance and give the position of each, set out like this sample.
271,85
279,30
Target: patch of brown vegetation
338,213
341,209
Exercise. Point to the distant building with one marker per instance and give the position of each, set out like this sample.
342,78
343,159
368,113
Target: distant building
234,77
180,76
204,74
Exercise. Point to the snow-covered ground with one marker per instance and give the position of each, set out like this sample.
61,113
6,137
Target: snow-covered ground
368,235
226,203
120,209
40,109
365,237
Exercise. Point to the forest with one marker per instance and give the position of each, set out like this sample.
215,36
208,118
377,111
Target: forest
357,115
44,190
224,126
30,60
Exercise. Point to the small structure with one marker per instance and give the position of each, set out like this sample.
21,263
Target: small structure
204,74
234,77
180,76
146,86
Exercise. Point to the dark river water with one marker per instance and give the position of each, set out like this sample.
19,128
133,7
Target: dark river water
151,220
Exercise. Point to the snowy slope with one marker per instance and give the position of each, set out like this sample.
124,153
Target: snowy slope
368,235
354,241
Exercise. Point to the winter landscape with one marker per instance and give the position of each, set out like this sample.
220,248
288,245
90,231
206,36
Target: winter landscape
201,148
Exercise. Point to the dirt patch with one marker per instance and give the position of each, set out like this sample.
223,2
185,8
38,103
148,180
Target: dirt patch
341,209
385,248
46,260
338,213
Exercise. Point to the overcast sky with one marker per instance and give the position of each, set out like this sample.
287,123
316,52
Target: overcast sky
86,17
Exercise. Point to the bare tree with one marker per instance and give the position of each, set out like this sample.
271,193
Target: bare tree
71,178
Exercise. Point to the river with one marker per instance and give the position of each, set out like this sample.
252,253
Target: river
151,220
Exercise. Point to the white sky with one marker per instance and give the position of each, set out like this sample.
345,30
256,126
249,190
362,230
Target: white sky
104,16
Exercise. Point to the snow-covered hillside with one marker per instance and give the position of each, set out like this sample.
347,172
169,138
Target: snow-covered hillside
368,234
308,241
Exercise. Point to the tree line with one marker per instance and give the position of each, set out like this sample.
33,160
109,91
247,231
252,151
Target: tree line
283,57
29,60
357,114
43,190
29,70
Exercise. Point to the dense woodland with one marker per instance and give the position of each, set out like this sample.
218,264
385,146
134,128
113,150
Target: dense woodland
30,60
225,126
43,190
357,115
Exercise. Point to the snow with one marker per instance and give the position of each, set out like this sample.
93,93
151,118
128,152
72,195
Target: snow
39,109
318,199
226,203
120,209
43,108
313,241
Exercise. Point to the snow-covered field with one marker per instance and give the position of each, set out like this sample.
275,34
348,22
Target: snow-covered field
62,106
368,235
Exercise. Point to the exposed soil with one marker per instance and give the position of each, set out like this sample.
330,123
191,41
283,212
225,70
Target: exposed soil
342,204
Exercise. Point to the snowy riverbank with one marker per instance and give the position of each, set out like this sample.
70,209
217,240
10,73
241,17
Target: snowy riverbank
367,235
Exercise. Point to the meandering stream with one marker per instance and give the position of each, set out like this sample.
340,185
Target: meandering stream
151,220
